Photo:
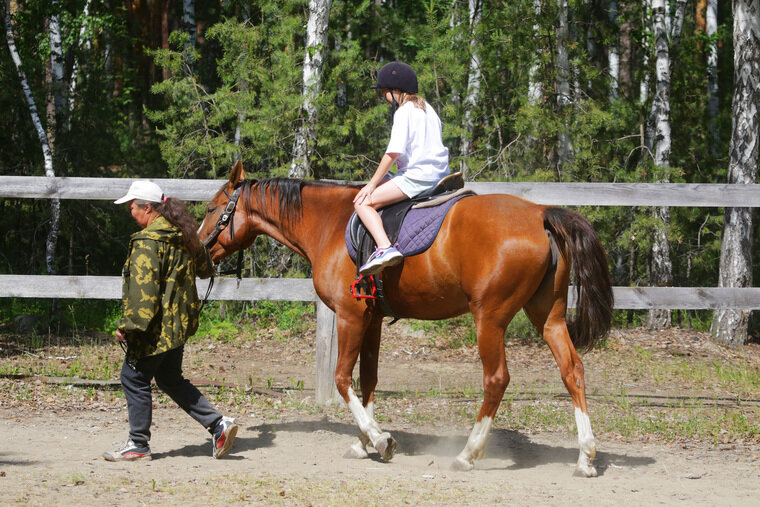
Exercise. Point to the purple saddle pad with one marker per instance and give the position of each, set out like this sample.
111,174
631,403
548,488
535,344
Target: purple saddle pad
418,231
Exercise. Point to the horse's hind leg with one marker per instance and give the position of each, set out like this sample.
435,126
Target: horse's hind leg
547,313
490,331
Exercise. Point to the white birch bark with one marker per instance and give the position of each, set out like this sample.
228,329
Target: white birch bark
473,87
564,144
188,20
55,204
730,326
644,85
662,268
83,41
711,18
613,53
56,61
535,89
316,38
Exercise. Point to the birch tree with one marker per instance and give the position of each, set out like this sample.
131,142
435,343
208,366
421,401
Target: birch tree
188,20
473,87
55,203
730,326
56,64
316,38
711,25
564,144
535,88
667,33
613,52
644,84
83,40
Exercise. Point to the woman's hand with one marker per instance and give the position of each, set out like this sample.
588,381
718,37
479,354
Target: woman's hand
365,194
120,336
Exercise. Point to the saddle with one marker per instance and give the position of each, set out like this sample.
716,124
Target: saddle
360,243
424,215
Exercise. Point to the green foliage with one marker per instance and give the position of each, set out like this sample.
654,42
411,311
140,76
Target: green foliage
252,110
284,315
71,315
219,330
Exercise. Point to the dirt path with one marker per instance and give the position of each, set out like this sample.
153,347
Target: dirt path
50,458
289,450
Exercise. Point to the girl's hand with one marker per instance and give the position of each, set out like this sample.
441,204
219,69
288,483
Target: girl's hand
365,194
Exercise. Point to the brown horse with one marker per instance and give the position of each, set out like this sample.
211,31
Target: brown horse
492,257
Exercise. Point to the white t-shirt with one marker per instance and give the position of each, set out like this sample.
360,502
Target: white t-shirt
416,135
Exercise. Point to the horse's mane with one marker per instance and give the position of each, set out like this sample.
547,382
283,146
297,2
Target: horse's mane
285,193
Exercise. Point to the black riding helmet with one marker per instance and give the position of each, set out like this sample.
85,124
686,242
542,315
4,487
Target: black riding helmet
397,76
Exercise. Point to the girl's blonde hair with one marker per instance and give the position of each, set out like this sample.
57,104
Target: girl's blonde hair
415,99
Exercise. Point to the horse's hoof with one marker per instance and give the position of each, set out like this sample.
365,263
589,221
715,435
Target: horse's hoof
385,446
357,451
462,465
585,471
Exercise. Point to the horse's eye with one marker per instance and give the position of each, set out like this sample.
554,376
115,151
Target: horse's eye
210,209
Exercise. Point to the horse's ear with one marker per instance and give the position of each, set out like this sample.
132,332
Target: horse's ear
237,174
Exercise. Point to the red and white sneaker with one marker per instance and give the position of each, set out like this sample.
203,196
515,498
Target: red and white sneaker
130,451
224,436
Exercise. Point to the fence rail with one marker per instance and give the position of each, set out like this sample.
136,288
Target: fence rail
566,194
290,289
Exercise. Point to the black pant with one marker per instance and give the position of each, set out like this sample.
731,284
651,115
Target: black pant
166,368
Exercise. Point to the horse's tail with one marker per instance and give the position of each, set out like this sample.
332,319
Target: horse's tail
579,244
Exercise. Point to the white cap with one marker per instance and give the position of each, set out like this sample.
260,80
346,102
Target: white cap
143,190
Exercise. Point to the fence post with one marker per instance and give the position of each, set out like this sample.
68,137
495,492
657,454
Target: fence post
327,355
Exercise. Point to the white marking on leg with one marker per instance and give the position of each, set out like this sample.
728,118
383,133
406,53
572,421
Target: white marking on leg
383,443
476,445
586,444
359,448
367,424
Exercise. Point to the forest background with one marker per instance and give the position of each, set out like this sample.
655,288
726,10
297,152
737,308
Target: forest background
527,90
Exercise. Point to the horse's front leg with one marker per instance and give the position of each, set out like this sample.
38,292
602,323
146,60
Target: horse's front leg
495,381
369,431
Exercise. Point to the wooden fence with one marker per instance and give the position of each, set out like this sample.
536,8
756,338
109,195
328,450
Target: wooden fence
567,194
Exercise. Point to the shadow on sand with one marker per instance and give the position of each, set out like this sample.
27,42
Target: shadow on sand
507,445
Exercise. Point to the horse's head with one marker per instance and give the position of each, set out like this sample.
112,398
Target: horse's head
225,228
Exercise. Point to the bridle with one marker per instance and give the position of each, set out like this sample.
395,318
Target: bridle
226,219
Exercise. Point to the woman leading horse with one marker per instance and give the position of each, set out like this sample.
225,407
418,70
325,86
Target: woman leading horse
493,256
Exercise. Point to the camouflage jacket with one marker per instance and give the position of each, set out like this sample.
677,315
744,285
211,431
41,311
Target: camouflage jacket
160,299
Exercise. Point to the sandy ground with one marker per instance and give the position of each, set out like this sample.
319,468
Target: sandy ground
295,457
54,458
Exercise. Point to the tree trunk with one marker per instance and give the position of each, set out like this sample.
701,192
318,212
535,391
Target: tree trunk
711,25
473,88
316,38
730,326
84,41
613,53
644,85
56,63
564,144
55,204
189,24
626,51
662,269
535,88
